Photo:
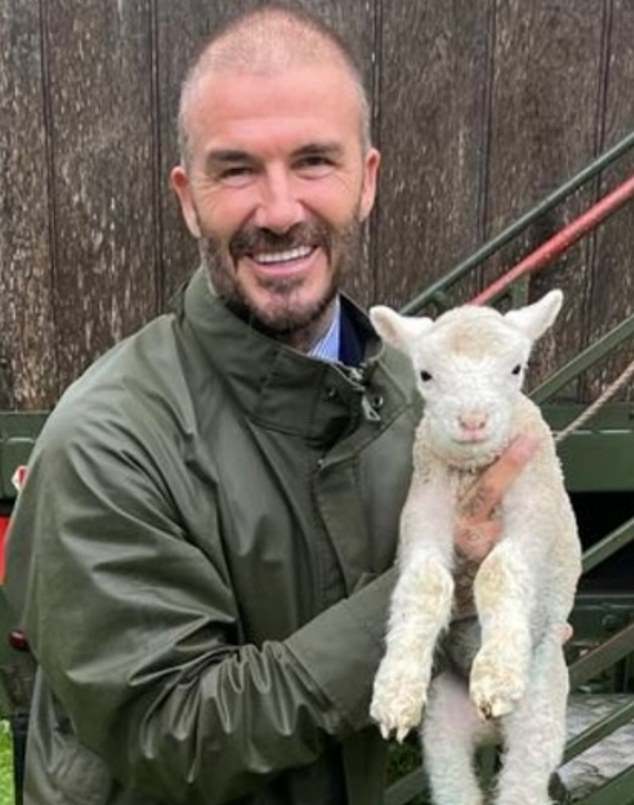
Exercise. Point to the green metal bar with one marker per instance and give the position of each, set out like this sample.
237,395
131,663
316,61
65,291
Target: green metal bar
599,730
590,665
602,657
561,241
608,545
489,248
413,784
404,790
584,360
618,791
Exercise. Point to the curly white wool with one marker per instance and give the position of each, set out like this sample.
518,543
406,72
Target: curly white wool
470,365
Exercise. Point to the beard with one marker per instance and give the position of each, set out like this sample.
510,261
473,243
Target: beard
285,316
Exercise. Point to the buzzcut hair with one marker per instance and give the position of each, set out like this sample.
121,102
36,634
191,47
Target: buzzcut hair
244,42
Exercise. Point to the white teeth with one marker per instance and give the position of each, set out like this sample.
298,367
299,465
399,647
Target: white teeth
282,257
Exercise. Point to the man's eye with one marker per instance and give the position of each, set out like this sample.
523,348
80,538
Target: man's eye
314,159
235,175
314,164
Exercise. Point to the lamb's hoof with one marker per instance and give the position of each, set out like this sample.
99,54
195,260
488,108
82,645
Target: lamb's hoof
398,702
398,716
495,688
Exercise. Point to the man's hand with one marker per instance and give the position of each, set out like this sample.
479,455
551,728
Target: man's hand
477,529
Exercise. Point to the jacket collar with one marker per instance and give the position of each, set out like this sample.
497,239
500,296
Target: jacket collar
284,389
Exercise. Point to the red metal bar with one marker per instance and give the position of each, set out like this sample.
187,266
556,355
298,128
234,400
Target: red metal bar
4,528
563,240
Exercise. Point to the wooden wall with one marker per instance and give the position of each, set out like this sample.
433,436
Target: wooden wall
479,109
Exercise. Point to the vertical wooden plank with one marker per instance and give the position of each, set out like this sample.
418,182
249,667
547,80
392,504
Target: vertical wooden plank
355,20
433,123
99,64
612,297
28,372
546,93
181,27
108,65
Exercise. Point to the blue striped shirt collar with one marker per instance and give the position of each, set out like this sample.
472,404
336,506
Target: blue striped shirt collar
327,348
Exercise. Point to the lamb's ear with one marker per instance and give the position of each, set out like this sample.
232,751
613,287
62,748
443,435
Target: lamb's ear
399,331
533,320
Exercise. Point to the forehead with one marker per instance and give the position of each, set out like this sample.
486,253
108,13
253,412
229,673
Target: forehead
475,334
260,111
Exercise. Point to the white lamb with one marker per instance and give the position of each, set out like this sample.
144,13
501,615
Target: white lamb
506,673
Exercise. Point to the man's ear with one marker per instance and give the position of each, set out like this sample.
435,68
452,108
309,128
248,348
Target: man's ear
370,173
399,331
182,187
535,319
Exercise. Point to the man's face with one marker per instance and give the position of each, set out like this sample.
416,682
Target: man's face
277,187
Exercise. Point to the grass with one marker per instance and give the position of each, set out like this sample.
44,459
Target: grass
6,765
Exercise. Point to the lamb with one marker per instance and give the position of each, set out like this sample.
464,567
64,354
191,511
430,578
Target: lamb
504,673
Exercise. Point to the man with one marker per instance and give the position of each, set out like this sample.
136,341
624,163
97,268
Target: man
212,510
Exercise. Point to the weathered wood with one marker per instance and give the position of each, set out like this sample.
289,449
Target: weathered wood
479,110
357,20
99,68
181,28
611,296
433,121
545,99
28,372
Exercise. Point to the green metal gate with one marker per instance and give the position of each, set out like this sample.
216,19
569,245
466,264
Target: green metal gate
598,458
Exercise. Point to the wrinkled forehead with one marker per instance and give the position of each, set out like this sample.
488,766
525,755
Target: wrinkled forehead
475,334
239,108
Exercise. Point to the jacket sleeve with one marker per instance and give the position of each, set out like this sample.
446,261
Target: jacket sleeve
136,633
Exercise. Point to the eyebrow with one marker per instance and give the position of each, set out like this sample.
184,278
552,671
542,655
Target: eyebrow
225,156
332,149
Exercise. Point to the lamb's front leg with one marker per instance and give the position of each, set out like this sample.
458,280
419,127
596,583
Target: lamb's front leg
421,606
419,610
504,596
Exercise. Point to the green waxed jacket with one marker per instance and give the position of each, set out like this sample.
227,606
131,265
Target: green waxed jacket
205,530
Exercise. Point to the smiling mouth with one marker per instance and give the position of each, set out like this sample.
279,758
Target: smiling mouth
287,256
284,264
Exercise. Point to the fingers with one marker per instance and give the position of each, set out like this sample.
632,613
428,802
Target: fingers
565,632
561,632
496,480
475,541
476,530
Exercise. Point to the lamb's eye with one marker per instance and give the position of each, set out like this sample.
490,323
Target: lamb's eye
425,376
517,369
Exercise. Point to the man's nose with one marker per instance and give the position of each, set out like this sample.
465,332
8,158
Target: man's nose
278,207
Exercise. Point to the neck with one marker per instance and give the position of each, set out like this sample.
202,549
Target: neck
305,338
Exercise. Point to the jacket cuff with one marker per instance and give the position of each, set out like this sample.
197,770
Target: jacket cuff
341,648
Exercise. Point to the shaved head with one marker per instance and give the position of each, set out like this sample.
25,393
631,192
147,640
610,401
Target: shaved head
269,39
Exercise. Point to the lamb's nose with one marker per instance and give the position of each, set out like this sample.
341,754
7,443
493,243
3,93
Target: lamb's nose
473,421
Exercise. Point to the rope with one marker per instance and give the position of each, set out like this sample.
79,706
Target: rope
609,392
